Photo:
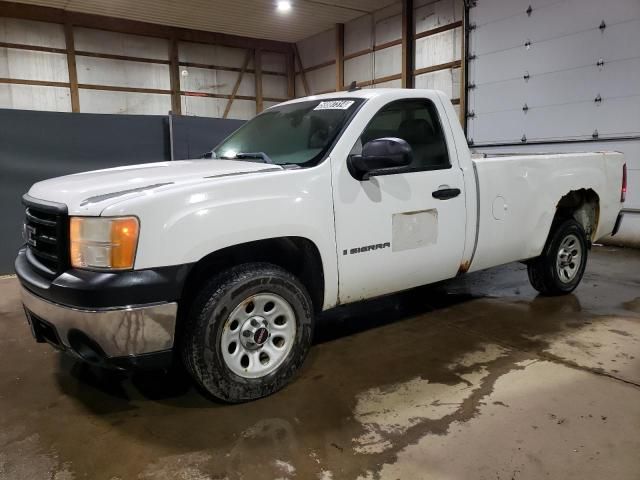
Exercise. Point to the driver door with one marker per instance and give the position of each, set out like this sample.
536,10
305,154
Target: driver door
395,231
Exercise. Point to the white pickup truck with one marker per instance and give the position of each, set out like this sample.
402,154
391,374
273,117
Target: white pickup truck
316,202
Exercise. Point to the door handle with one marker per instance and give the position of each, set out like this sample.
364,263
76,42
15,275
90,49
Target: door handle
446,193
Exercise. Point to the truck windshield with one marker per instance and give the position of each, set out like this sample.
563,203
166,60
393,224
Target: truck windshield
299,133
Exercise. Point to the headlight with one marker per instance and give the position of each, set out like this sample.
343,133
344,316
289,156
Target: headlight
103,243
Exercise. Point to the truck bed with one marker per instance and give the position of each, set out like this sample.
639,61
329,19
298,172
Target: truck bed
518,195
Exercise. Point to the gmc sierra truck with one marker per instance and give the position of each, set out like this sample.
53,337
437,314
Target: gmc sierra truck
221,263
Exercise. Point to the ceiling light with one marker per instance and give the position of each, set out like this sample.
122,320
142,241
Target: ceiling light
284,5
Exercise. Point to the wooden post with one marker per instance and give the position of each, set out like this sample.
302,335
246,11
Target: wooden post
257,66
291,74
408,43
71,64
174,76
302,74
339,57
227,109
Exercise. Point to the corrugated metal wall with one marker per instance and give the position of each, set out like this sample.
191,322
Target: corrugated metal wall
566,72
126,73
373,50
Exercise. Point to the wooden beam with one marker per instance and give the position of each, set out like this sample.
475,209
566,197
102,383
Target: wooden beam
291,74
234,92
225,96
35,48
127,58
318,66
71,66
440,29
114,24
435,68
38,83
408,43
301,69
339,57
257,66
174,77
113,88
208,66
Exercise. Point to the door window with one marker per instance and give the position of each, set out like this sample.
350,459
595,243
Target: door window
415,121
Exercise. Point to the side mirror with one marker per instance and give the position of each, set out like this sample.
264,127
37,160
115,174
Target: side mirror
382,156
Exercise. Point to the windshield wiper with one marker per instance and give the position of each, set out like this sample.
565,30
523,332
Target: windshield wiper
254,155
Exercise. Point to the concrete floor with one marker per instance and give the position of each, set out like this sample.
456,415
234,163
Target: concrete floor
476,378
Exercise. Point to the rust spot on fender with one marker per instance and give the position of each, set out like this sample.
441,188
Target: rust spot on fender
464,267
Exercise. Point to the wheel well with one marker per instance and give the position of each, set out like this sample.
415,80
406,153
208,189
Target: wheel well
582,205
298,255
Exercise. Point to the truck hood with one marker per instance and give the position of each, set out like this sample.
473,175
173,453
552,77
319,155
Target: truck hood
89,193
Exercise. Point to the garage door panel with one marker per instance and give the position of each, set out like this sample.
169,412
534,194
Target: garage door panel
552,21
492,97
618,116
613,79
575,121
496,127
633,194
620,42
542,90
495,11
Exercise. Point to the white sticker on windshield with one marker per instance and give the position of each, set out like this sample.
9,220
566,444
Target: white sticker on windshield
334,105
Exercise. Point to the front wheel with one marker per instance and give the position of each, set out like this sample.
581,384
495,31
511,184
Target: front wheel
560,268
248,332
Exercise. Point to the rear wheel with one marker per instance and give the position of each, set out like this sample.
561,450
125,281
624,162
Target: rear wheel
248,332
560,268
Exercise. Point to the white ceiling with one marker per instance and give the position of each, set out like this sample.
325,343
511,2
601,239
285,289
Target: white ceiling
248,18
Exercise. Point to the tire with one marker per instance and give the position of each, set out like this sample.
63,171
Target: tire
259,297
560,268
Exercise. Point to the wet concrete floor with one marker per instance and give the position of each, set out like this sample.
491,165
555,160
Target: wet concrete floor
475,378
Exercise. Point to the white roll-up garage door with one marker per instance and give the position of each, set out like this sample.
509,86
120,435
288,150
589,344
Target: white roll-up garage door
557,75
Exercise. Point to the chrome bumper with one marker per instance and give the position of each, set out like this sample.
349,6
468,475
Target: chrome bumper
119,331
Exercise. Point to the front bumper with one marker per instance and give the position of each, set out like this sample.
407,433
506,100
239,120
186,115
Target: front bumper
107,336
122,320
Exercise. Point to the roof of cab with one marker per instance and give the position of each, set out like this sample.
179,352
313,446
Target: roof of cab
362,93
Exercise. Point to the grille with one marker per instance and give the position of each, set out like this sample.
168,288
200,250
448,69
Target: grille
46,236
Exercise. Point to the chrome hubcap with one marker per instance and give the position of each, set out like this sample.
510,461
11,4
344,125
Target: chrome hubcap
569,258
258,335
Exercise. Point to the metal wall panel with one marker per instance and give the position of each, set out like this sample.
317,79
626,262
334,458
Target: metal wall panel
318,49
274,62
429,14
358,34
101,41
274,86
31,65
211,54
214,107
388,29
439,48
27,32
204,80
100,101
387,61
122,73
358,68
322,79
30,97
447,81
